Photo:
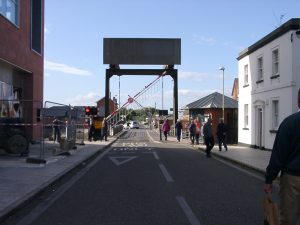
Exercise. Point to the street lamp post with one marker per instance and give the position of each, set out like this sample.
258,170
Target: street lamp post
223,68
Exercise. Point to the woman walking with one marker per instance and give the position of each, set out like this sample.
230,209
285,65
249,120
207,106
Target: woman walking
166,128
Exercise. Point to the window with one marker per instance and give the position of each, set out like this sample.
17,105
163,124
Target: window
275,114
246,117
275,63
36,25
10,10
260,69
246,74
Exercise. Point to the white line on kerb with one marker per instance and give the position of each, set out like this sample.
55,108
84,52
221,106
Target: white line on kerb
156,156
187,211
165,173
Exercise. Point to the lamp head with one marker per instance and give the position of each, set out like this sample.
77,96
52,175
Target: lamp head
222,68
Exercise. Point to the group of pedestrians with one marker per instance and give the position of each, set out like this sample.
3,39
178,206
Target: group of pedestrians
208,135
195,131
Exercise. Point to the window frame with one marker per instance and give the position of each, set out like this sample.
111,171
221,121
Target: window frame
246,115
275,113
16,18
36,36
246,75
260,69
275,63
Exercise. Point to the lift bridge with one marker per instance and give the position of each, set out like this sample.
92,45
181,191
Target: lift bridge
141,51
148,93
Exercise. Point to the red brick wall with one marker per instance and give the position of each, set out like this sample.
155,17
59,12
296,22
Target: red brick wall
101,103
216,114
15,48
15,42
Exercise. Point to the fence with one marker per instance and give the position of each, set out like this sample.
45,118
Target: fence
60,125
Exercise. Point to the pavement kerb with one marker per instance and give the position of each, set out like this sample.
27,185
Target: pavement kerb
237,162
5,213
234,161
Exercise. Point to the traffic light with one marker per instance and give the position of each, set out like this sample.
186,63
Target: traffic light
90,110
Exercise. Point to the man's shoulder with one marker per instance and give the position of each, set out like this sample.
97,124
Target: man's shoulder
292,118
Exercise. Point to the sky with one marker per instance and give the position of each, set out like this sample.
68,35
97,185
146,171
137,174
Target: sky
212,34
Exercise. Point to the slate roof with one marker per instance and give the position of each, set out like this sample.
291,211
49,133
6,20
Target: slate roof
214,100
61,111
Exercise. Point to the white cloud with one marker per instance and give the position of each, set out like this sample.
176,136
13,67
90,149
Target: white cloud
89,99
63,68
193,76
186,96
204,40
46,30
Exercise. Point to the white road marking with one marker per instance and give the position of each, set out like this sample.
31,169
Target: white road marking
151,137
187,211
123,159
156,156
165,173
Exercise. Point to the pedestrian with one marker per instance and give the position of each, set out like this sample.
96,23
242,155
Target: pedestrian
178,128
208,136
285,158
105,128
56,129
221,134
91,130
166,128
198,130
192,130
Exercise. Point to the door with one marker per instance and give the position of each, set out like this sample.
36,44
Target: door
260,128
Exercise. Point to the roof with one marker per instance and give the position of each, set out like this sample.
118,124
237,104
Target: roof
292,24
103,99
214,100
62,111
235,85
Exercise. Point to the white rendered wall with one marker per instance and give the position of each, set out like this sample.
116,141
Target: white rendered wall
296,68
260,95
244,134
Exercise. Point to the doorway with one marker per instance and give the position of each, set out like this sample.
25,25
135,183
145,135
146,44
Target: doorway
259,143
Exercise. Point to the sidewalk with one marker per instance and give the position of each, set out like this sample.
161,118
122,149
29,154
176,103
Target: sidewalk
255,159
19,180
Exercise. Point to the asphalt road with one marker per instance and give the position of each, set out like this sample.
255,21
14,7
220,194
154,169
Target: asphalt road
141,182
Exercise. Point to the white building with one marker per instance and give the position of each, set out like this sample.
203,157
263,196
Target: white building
269,80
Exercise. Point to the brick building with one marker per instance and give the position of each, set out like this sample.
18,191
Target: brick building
21,60
211,106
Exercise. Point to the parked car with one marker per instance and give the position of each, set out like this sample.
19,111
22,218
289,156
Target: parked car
134,125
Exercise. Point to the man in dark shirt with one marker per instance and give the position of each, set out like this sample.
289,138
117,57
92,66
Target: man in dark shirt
56,129
208,137
221,134
285,157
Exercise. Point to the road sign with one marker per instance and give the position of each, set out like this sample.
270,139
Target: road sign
130,100
163,112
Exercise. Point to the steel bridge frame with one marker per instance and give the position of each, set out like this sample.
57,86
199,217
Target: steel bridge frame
169,70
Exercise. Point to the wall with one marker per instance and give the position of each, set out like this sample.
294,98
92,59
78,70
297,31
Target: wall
296,68
25,65
216,114
260,95
244,134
